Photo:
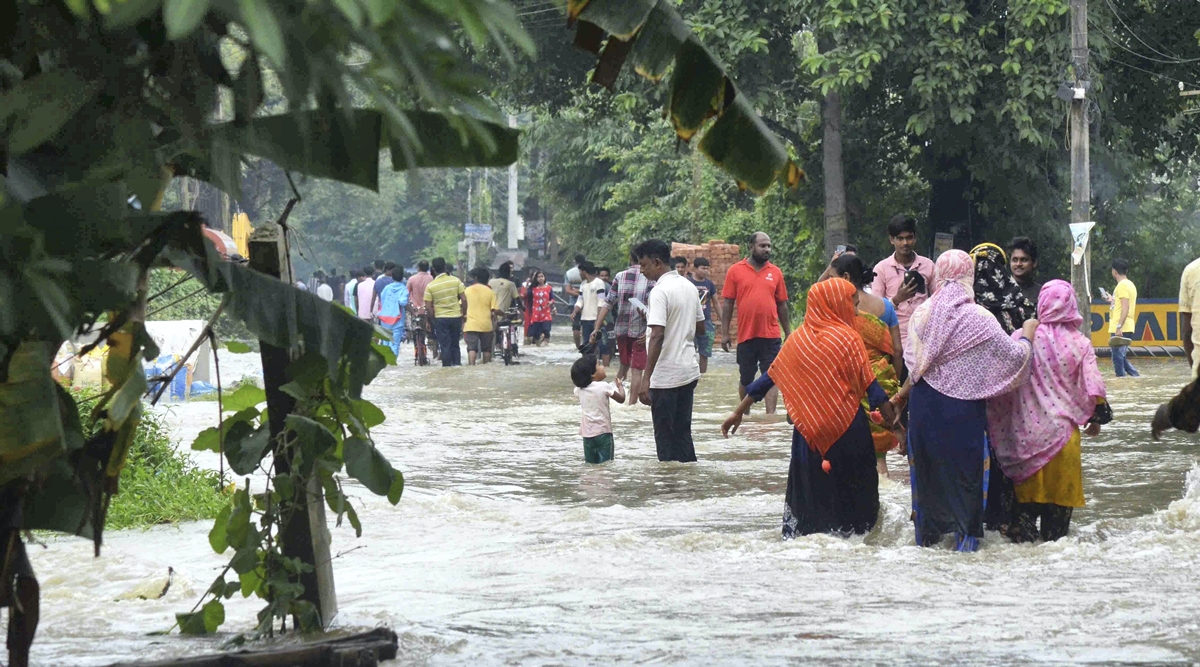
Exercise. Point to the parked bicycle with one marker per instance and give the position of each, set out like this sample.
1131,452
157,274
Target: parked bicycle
510,335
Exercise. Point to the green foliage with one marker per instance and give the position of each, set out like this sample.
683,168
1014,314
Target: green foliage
328,432
159,484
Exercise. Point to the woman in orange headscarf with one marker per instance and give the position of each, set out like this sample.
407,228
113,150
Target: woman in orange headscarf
823,372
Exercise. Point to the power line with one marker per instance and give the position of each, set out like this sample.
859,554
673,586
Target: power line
1147,71
1174,59
1116,42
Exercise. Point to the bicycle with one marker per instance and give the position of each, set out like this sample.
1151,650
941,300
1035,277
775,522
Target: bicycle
420,351
510,332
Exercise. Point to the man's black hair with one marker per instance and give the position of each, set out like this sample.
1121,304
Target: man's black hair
700,261
1025,245
582,370
580,259
753,239
505,270
602,269
422,265
481,275
654,249
902,223
388,266
675,261
588,267
439,264
355,273
1121,266
379,265
369,270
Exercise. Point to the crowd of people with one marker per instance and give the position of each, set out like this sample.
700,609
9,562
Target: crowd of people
970,365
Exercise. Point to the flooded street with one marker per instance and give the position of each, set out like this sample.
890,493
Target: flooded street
507,549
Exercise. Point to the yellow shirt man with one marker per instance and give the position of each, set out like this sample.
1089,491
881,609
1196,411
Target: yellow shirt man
443,291
1123,290
481,301
1189,303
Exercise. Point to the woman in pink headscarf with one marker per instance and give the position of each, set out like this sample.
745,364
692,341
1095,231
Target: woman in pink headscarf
1035,429
960,358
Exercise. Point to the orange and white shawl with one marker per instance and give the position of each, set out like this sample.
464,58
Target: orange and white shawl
823,370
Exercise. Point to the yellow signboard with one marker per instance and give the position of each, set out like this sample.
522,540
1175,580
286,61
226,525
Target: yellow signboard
1157,323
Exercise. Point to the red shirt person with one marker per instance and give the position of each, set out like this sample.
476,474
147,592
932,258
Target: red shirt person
756,287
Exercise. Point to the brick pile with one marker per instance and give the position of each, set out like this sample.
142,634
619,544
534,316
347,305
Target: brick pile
721,256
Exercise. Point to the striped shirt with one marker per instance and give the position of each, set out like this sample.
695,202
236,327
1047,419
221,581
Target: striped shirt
444,291
628,284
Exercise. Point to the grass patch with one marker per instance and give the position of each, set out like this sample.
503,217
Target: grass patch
160,484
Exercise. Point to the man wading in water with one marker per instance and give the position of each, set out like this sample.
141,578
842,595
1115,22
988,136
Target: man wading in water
675,319
756,286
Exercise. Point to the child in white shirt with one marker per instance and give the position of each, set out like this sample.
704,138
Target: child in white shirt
594,394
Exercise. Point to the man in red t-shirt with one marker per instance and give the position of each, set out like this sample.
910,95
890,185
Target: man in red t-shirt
756,286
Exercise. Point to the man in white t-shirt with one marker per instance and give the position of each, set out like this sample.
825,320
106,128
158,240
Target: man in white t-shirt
592,291
675,319
571,282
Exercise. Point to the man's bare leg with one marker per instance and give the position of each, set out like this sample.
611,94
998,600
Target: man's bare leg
635,385
471,354
772,400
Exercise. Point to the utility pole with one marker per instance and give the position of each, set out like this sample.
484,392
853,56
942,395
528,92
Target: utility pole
1081,189
515,233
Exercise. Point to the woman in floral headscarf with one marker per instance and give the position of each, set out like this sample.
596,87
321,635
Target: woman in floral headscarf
1035,429
962,358
998,291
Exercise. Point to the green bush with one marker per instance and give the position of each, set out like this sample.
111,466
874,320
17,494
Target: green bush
159,484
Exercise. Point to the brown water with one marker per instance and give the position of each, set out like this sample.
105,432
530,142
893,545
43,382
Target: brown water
508,549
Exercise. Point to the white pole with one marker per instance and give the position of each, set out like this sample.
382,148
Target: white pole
515,233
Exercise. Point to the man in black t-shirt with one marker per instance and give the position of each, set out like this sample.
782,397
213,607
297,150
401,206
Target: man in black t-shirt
706,289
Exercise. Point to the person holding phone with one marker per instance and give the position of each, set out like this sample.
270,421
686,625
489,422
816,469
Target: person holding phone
893,277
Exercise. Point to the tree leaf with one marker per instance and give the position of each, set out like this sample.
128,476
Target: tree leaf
321,143
37,108
217,536
237,347
246,396
367,465
263,26
451,140
203,622
369,413
182,16
397,488
313,439
245,447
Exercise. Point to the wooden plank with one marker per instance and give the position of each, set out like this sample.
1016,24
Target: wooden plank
366,649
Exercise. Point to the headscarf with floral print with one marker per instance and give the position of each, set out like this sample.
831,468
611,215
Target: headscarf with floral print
997,290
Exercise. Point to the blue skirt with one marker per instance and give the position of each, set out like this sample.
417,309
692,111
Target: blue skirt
844,500
948,456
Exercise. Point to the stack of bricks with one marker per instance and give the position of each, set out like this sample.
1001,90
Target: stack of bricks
721,256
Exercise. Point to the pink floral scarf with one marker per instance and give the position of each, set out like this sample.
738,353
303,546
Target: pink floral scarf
962,351
1031,425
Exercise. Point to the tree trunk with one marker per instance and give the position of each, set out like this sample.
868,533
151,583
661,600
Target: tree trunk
836,232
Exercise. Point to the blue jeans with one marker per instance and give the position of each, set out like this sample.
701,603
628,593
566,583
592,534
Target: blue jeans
1121,364
448,331
398,335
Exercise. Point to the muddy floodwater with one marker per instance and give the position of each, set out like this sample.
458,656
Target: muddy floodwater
508,549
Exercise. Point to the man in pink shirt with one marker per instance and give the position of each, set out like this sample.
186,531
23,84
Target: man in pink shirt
365,291
890,273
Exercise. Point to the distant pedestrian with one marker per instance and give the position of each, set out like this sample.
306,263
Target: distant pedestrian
629,286
706,290
539,303
416,301
445,301
680,264
393,303
1122,318
323,289
756,287
348,292
572,279
594,393
480,325
674,319
364,294
587,308
385,279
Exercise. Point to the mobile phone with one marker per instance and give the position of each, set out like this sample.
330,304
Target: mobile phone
915,277
637,304
840,249
1104,293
